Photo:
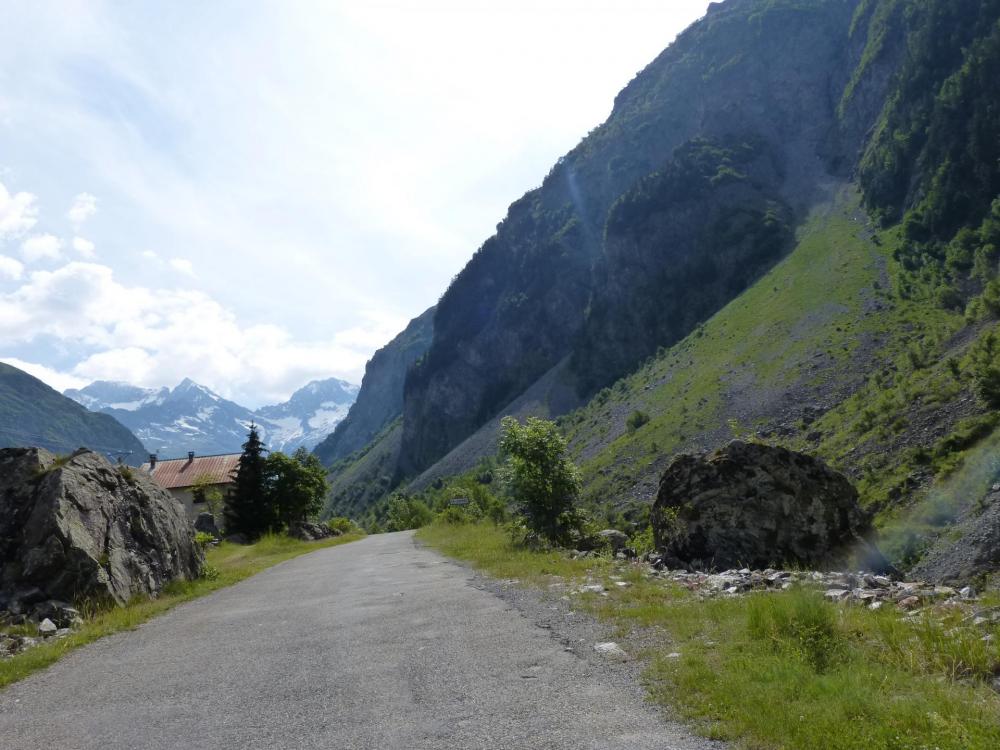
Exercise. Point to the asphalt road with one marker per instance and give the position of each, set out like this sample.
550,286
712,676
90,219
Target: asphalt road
375,644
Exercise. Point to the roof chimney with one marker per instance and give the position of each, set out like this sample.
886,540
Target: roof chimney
190,456
152,462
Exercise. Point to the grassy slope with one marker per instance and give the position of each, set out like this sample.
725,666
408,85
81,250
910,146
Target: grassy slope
777,670
32,413
231,562
785,361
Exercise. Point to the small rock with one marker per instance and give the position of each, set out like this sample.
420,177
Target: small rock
837,595
205,522
967,593
673,655
875,605
47,628
592,588
611,650
909,604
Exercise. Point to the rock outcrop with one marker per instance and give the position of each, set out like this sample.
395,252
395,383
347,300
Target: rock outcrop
79,527
750,505
311,532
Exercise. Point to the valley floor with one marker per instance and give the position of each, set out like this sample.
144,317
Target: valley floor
379,643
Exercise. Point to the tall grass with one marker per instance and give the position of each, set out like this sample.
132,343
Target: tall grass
226,564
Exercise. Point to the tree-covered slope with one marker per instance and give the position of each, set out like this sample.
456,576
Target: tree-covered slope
32,414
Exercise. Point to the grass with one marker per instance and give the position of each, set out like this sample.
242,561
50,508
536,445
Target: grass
783,670
226,564
490,548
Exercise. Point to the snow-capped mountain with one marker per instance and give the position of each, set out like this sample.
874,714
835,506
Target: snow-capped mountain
309,415
190,417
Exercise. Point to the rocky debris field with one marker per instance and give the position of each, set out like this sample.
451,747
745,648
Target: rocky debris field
29,619
912,599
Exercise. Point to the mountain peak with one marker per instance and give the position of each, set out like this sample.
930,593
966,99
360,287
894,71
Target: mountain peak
193,417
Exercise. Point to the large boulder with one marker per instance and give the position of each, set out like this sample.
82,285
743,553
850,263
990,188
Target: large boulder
751,505
78,528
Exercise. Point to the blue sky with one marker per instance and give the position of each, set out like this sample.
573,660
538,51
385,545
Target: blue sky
257,194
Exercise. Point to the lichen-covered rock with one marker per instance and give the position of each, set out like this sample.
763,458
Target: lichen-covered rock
751,505
79,527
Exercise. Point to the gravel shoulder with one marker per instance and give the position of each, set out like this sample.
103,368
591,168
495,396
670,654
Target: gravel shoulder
379,643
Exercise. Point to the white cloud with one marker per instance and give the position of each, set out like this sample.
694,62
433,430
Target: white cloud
279,140
182,265
52,378
41,247
155,337
84,247
10,268
18,213
378,328
83,207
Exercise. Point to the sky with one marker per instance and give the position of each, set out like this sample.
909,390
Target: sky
258,194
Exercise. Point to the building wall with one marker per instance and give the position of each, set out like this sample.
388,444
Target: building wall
185,497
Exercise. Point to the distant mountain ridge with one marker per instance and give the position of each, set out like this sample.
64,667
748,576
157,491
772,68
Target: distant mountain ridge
33,414
191,417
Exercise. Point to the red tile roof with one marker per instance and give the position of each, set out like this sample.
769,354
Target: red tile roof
175,473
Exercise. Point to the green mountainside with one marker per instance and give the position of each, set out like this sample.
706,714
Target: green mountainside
32,414
789,228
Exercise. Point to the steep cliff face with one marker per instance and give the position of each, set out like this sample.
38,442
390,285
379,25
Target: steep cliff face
753,71
380,399
789,224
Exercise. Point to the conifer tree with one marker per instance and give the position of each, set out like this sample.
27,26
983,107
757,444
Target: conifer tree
249,509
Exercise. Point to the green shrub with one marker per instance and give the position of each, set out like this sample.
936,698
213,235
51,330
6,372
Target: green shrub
343,525
203,539
636,420
544,483
986,369
406,512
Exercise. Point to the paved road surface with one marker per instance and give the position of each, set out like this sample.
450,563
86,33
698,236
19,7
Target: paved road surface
375,644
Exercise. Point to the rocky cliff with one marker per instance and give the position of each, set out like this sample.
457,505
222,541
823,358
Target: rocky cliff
657,219
380,399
